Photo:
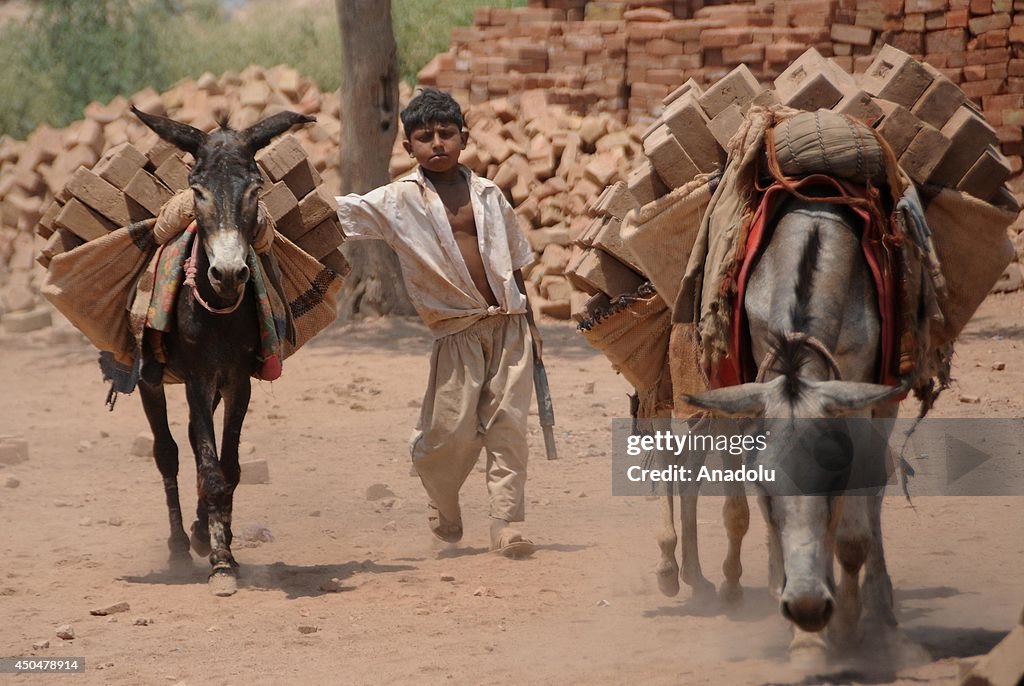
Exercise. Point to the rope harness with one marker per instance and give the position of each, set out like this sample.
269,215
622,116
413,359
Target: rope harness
190,281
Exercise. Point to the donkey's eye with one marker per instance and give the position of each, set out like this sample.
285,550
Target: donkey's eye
201,194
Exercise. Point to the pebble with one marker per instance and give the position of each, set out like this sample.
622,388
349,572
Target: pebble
41,645
378,492
332,586
66,632
115,521
999,366
85,521
257,533
110,609
391,526
314,513
11,482
84,446
142,446
581,494
308,628
588,388
447,577
143,621
603,603
421,611
61,503
970,399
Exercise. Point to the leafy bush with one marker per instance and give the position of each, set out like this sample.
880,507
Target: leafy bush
74,51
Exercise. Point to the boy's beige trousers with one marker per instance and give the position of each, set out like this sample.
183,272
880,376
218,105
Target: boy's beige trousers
478,396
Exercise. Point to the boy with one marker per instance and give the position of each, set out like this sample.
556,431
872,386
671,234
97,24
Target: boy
461,252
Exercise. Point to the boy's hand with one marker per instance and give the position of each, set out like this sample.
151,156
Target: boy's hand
538,344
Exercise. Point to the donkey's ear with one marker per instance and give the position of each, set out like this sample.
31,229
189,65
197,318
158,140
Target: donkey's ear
186,137
843,397
745,400
261,133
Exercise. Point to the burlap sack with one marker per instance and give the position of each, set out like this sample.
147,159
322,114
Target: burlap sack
661,234
970,238
826,142
91,285
633,335
310,288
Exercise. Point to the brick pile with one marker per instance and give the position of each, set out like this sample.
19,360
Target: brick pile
977,44
934,130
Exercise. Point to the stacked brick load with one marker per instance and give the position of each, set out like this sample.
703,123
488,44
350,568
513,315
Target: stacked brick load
934,130
131,183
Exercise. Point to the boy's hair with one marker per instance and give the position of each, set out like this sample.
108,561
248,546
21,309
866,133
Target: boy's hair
431,106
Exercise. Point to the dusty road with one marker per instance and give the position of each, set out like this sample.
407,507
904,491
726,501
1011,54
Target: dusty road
86,527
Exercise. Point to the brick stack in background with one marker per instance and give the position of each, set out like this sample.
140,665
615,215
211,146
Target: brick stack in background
976,44
505,52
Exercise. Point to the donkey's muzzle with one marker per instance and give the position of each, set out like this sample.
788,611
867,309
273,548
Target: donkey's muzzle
229,280
809,611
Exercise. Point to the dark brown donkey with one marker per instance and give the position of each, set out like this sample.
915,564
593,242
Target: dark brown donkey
215,341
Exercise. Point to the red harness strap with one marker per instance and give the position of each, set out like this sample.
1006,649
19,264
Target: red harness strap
739,366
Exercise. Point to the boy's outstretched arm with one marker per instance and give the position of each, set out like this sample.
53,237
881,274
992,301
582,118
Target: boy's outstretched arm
363,216
538,345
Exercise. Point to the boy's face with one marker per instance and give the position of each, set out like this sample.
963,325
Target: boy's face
436,146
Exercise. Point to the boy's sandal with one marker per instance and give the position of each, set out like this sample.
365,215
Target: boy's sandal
441,528
512,544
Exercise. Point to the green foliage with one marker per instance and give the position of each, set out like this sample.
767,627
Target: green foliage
72,52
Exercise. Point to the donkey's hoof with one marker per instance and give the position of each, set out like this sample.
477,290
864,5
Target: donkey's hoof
730,593
200,540
223,583
668,584
702,589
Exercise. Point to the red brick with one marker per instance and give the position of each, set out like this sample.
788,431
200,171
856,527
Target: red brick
925,5
600,272
898,126
945,42
671,162
991,22
986,175
924,154
739,88
101,196
862,106
956,19
689,124
644,183
897,77
82,221
324,238
855,35
969,135
147,191
939,101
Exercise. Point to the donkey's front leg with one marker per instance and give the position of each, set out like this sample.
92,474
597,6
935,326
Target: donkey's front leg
165,452
213,487
236,404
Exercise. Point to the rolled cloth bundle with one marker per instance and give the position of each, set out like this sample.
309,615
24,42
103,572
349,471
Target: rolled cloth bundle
826,142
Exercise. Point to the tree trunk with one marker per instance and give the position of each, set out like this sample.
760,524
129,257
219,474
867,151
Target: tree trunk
369,120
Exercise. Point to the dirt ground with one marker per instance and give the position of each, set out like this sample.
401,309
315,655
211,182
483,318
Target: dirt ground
86,527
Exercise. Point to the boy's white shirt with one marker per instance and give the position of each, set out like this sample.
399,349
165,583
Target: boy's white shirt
408,214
